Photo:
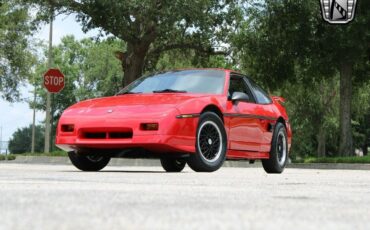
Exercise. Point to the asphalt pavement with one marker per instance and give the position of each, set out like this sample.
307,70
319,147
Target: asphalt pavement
60,197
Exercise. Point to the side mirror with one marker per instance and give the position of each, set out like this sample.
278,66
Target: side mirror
239,96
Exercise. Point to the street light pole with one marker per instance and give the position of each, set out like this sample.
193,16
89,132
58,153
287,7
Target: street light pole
33,118
48,98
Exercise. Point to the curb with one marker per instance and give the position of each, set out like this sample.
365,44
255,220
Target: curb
333,166
156,162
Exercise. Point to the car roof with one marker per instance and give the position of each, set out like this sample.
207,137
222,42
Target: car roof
221,69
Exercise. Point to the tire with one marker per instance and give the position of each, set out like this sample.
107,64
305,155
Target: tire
173,164
211,144
279,151
88,162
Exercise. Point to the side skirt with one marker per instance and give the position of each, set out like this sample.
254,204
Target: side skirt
245,155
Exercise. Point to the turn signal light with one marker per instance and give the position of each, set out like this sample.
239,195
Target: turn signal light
68,128
149,126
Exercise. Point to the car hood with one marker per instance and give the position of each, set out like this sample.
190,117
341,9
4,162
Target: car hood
130,104
170,99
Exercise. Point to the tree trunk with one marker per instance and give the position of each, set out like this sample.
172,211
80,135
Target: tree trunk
133,62
321,142
345,147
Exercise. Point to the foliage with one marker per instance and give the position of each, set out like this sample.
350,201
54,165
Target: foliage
176,59
284,45
20,142
58,153
15,56
90,70
311,108
361,115
282,37
10,157
152,27
286,41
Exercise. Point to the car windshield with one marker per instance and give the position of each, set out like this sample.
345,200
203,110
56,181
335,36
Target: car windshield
179,81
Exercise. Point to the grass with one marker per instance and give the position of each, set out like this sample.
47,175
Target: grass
10,157
350,160
51,154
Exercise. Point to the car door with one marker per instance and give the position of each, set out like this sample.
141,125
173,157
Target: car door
265,112
244,127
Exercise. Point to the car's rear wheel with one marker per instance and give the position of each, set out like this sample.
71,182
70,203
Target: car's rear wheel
88,162
173,164
211,144
279,151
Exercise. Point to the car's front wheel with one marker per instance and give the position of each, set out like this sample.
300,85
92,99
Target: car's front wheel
279,151
173,164
88,162
211,144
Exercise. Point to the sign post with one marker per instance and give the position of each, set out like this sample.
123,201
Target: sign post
48,99
54,83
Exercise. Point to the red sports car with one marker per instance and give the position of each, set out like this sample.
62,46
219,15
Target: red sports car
197,116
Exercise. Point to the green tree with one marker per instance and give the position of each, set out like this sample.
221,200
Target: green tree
177,59
20,142
313,113
151,27
90,70
282,38
15,57
361,116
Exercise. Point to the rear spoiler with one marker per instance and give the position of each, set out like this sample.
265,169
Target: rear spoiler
278,99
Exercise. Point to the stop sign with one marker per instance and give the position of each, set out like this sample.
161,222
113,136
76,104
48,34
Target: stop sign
54,80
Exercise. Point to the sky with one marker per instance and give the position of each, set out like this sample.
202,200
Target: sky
18,115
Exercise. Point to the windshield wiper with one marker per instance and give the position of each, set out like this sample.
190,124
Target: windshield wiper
169,91
127,93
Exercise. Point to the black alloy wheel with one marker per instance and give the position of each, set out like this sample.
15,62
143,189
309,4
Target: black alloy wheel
173,164
88,162
279,151
211,144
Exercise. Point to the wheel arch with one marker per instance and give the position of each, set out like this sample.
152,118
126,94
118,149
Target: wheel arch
281,120
288,130
215,109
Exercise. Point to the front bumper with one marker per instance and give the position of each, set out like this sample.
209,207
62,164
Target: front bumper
153,143
174,135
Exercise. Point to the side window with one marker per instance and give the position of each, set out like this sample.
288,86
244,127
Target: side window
261,96
237,84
